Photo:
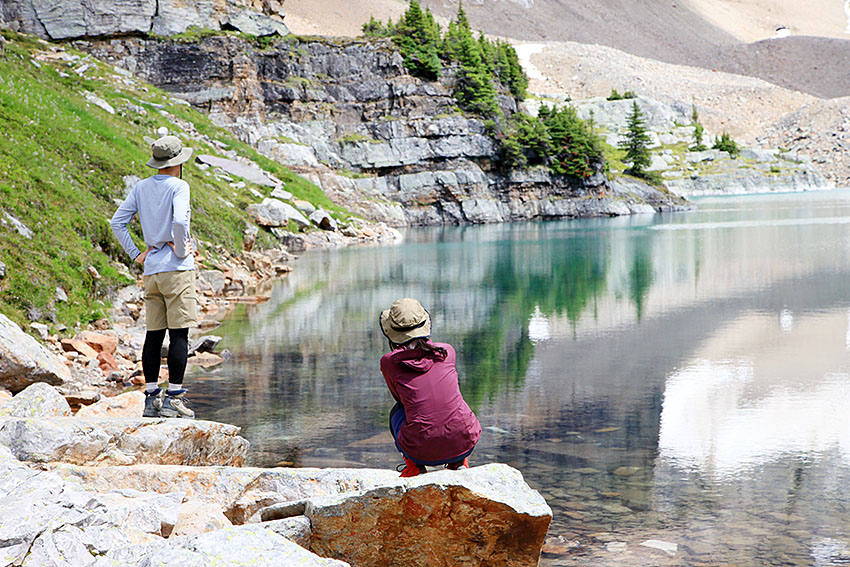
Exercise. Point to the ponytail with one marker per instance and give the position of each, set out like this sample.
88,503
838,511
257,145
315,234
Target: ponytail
432,350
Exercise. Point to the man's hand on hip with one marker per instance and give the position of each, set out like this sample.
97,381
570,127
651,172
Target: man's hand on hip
140,259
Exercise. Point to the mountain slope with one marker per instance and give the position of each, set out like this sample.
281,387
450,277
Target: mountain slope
672,31
73,128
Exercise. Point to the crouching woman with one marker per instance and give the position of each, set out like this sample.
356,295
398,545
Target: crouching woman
431,423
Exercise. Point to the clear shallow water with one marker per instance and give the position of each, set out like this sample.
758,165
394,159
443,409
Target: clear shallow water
684,378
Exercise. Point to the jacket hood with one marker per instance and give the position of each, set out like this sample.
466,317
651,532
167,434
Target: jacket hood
416,360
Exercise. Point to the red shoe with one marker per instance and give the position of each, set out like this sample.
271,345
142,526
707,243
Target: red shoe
459,465
411,469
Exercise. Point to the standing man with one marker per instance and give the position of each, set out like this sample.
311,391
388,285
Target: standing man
162,202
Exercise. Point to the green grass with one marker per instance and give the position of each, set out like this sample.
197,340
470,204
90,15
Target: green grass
62,160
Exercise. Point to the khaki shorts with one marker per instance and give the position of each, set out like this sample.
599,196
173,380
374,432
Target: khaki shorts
170,300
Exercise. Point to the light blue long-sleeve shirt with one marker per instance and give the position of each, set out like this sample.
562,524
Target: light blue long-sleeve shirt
162,202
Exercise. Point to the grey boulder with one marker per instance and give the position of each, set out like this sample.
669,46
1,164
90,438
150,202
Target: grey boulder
24,361
37,400
123,441
276,213
323,220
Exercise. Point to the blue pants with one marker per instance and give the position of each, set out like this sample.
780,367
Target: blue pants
397,418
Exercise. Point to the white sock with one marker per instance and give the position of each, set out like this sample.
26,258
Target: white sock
174,387
150,387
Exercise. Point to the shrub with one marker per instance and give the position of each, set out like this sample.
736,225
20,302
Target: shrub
617,96
557,138
727,144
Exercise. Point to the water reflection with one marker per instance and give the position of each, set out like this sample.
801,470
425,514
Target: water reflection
676,377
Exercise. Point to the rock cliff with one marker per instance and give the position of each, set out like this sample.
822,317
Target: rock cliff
346,114
63,19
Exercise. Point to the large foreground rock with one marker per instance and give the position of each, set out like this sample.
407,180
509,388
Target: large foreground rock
240,492
123,441
23,361
237,546
48,521
478,517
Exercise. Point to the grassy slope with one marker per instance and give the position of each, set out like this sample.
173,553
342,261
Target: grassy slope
62,160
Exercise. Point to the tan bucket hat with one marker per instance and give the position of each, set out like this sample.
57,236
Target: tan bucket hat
405,320
168,151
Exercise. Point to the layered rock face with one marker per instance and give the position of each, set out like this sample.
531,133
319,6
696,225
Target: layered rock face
386,145
64,19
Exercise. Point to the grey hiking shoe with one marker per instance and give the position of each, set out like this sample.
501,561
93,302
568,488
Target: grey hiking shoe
175,406
153,403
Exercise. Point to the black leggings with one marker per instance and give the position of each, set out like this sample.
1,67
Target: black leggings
178,352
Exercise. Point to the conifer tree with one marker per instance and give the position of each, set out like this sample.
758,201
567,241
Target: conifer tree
698,132
418,35
475,90
636,143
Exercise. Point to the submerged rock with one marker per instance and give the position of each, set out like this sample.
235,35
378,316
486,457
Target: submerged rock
24,361
482,516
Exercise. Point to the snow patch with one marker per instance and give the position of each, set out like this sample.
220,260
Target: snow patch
847,12
524,52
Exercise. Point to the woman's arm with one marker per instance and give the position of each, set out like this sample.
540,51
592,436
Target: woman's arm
386,370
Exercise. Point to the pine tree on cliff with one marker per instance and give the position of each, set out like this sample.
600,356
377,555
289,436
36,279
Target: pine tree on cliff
636,143
417,35
475,91
575,148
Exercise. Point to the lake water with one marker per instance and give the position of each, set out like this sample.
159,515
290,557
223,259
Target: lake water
682,378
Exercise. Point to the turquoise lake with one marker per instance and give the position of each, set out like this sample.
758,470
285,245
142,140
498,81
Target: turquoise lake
683,378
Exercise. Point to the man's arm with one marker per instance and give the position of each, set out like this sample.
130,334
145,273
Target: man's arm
120,219
180,222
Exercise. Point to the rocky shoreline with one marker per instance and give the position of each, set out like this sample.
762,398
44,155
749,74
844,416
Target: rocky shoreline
100,486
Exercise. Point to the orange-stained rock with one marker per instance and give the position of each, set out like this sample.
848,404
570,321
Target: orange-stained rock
478,517
99,341
107,362
129,404
198,517
79,346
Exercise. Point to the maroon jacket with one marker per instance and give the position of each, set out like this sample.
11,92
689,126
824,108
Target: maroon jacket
439,424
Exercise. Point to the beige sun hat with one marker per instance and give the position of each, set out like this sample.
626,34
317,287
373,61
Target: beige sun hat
405,320
168,151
